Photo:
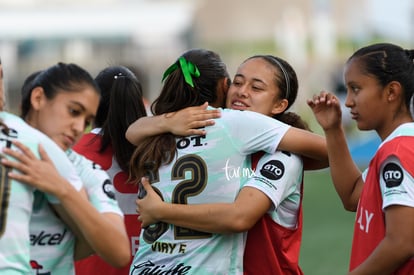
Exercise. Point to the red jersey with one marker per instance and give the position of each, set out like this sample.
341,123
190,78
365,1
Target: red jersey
270,247
125,194
369,229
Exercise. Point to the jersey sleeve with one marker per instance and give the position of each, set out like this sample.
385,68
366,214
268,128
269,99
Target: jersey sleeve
253,132
62,164
277,175
397,185
98,186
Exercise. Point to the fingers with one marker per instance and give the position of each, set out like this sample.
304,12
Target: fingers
194,125
210,114
201,112
20,177
12,164
205,114
22,168
322,97
19,156
202,119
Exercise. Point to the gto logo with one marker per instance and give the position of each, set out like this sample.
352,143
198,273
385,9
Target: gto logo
392,175
273,170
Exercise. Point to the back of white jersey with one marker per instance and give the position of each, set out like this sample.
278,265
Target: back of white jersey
207,169
16,199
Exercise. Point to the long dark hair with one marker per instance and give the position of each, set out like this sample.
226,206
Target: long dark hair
183,87
120,105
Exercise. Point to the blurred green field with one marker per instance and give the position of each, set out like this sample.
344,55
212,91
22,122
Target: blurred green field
327,229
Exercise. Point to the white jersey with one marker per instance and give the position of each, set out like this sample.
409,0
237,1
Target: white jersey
16,199
207,169
52,242
97,183
279,176
396,183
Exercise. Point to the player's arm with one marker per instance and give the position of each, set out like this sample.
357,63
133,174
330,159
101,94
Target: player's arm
83,246
310,145
238,216
99,231
185,122
396,248
345,174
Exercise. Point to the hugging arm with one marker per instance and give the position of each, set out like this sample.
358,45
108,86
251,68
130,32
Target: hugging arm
312,146
105,234
188,121
238,216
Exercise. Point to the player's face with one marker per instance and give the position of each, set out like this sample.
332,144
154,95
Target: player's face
65,117
366,98
1,88
254,88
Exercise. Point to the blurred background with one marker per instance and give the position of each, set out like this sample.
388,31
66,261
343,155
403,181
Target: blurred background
315,36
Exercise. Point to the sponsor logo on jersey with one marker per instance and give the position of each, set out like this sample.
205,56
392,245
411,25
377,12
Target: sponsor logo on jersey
44,238
273,170
149,267
393,175
194,141
9,133
96,166
36,266
109,189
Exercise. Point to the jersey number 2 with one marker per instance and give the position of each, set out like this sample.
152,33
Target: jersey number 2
184,189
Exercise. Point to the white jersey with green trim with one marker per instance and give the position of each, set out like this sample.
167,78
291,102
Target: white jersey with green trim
98,185
52,242
16,199
279,177
206,169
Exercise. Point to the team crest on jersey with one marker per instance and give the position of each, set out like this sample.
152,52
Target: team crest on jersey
109,189
38,267
273,170
393,175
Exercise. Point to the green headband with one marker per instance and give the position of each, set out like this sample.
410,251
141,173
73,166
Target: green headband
187,68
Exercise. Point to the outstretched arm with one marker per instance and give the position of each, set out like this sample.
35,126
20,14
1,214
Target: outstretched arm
185,122
238,216
345,174
106,235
